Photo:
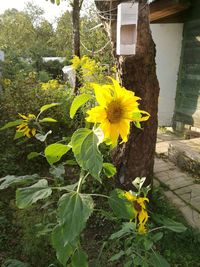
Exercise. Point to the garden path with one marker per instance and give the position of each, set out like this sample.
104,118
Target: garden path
182,188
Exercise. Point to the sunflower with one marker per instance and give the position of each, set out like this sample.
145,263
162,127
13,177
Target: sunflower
26,127
141,215
117,108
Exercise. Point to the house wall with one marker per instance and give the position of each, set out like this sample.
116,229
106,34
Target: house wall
168,39
187,109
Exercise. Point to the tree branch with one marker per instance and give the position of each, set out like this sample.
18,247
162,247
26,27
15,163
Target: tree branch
81,3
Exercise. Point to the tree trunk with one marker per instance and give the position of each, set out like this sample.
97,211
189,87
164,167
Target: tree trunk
76,36
138,73
76,27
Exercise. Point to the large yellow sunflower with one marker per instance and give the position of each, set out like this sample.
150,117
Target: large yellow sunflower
141,215
26,127
117,108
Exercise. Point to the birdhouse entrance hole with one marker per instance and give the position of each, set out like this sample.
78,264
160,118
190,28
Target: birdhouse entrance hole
128,34
127,19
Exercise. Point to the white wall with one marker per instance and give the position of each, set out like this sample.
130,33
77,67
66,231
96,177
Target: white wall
168,40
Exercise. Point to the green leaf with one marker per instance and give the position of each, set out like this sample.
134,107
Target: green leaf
92,158
109,169
44,230
42,137
138,124
85,149
121,207
11,124
18,135
71,162
158,236
139,261
128,264
54,152
14,263
117,256
78,101
170,224
174,226
109,215
11,180
127,228
47,120
63,251
79,259
57,171
70,187
158,261
77,140
73,212
45,107
148,244
33,155
29,195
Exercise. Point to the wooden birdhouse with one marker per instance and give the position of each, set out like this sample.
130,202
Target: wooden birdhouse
127,19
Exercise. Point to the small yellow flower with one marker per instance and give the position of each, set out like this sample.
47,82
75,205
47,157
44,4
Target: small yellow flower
117,108
76,62
7,82
87,65
50,85
141,215
26,127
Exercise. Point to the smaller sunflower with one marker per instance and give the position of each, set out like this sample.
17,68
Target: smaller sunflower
139,206
27,125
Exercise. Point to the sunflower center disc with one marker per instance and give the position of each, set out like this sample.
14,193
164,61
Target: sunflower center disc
114,112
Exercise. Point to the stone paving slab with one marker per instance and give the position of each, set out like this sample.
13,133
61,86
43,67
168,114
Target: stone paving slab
191,216
183,192
186,155
174,199
162,147
161,165
191,195
174,179
164,139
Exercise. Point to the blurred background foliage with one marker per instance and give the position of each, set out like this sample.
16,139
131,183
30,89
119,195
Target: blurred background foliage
28,81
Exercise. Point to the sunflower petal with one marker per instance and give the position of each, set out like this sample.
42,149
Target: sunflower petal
31,116
33,131
22,127
124,129
96,114
102,94
23,116
27,133
129,196
114,133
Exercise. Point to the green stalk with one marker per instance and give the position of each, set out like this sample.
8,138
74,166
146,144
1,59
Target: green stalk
81,180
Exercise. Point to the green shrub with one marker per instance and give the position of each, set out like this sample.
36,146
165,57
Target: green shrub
23,94
44,76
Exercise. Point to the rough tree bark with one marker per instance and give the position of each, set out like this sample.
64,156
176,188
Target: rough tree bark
138,73
76,27
77,4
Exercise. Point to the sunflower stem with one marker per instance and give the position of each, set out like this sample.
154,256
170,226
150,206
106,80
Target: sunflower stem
81,180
